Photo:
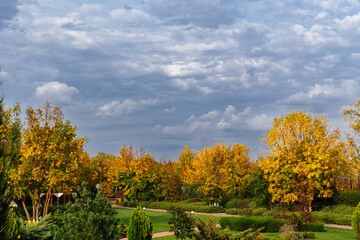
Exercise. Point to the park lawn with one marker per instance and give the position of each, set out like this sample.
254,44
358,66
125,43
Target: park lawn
158,219
160,224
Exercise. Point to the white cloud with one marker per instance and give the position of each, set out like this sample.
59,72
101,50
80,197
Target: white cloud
260,122
215,121
55,91
127,106
324,92
169,110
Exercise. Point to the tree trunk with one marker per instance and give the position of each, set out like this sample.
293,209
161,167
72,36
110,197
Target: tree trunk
26,211
47,202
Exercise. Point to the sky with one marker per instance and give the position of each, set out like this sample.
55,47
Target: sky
163,74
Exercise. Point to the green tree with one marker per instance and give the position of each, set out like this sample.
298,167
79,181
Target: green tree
140,227
181,223
89,218
9,151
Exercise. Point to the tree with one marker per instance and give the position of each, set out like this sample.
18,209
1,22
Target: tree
304,159
140,227
9,151
221,171
181,223
355,221
51,154
89,218
352,116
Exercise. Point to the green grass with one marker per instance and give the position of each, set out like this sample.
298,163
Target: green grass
157,218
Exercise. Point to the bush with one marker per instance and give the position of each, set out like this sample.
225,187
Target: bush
351,198
181,223
232,211
90,217
243,223
237,203
312,227
355,221
140,227
37,231
259,211
307,235
209,231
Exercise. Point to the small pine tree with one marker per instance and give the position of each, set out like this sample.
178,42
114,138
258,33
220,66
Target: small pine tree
140,227
181,223
90,217
355,221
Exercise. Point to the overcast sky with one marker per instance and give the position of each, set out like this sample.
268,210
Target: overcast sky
163,74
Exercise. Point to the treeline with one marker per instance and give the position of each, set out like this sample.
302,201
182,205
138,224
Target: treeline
303,158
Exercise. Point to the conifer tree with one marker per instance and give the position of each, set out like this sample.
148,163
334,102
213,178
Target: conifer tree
90,217
140,227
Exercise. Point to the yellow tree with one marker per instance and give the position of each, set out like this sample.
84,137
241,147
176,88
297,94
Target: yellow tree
105,172
221,170
305,158
51,154
352,117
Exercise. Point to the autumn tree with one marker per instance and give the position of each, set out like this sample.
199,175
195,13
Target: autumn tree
50,157
303,160
352,117
221,170
170,181
105,169
140,175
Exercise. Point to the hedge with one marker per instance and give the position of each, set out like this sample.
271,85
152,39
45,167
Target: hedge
243,223
193,206
270,224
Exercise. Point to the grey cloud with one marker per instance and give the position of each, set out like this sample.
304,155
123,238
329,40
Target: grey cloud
8,9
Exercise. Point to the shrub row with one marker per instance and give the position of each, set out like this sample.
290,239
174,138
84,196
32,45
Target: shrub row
243,223
333,218
188,206
270,224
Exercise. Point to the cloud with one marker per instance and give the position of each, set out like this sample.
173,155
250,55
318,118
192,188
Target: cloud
125,107
215,121
320,97
55,91
8,10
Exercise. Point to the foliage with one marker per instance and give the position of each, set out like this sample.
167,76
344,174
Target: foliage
181,223
243,223
12,226
50,157
351,198
312,227
40,230
305,158
289,232
9,153
355,221
105,171
220,171
140,227
139,176
209,231
90,217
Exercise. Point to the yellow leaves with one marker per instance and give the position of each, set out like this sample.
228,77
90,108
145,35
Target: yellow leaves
304,157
